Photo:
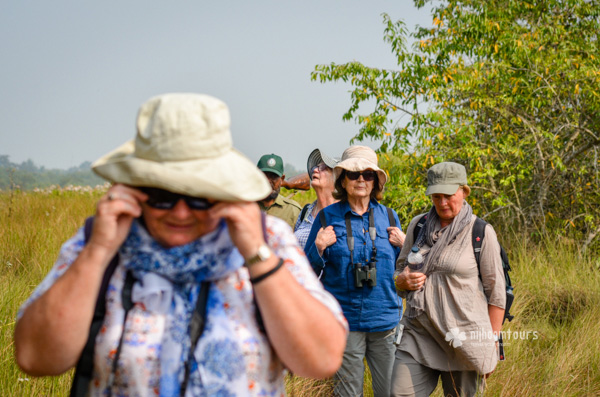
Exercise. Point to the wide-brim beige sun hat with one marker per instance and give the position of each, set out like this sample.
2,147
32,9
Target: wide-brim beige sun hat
360,158
183,144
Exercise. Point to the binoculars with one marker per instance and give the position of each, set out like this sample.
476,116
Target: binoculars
365,274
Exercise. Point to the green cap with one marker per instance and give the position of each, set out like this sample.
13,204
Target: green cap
271,163
445,178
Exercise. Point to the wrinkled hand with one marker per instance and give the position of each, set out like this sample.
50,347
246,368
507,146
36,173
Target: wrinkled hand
408,281
244,224
325,238
114,213
396,236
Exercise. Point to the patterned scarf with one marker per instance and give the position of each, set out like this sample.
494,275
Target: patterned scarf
442,250
218,367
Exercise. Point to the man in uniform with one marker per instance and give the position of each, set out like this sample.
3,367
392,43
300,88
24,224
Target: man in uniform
275,204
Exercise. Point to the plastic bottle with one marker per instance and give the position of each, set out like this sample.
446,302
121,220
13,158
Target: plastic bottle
415,260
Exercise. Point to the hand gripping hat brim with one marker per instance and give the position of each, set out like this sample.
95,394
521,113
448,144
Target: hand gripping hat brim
183,144
360,158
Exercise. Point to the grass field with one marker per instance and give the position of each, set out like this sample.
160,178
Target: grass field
553,348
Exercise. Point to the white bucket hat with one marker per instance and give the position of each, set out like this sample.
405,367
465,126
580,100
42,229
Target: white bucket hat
183,144
360,158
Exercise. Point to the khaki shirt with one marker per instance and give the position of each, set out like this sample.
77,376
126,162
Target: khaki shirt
283,208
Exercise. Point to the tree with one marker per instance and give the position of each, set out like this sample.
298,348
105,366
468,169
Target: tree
507,88
28,176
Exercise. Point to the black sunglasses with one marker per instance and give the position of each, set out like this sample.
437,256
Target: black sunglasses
165,200
368,175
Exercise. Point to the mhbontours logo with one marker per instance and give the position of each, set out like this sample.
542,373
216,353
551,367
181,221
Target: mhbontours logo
455,337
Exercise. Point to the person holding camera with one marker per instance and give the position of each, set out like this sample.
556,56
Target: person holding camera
353,246
207,296
454,307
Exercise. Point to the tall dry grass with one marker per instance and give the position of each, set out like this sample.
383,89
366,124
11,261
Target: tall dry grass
34,225
557,298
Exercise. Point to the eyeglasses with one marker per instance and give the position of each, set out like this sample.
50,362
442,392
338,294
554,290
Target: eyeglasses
164,200
368,175
321,167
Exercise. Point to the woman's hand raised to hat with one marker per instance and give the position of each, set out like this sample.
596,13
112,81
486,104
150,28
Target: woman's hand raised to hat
244,224
114,213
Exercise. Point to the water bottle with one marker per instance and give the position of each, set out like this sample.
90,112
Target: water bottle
415,260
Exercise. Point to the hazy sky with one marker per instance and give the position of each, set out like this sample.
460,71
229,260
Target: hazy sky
73,74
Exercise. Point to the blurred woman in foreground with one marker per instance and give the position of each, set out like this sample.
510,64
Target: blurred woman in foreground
182,218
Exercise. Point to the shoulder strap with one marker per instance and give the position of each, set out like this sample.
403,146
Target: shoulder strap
85,365
303,212
391,216
127,304
197,324
323,219
477,235
349,236
418,227
258,314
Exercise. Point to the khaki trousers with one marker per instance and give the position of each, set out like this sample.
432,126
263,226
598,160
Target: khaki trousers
378,348
409,378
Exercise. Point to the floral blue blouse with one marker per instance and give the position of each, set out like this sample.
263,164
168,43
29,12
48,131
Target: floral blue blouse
253,369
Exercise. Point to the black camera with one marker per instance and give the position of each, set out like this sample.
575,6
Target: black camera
366,274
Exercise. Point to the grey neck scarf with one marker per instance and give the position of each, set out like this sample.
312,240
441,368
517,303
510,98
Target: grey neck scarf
441,243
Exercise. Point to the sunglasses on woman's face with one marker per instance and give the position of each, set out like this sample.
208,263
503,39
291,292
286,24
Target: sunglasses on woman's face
164,200
368,175
321,167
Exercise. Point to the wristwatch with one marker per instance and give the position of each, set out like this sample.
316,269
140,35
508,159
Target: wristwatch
263,253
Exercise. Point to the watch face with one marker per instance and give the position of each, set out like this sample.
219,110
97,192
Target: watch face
264,252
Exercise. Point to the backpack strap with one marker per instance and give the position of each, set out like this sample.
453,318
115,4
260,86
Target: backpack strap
258,314
303,212
85,364
197,324
323,219
419,227
477,235
391,216
127,304
349,236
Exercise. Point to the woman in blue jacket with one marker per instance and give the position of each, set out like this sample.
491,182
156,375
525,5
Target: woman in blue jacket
358,270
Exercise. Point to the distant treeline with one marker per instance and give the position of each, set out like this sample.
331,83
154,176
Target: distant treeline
28,175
